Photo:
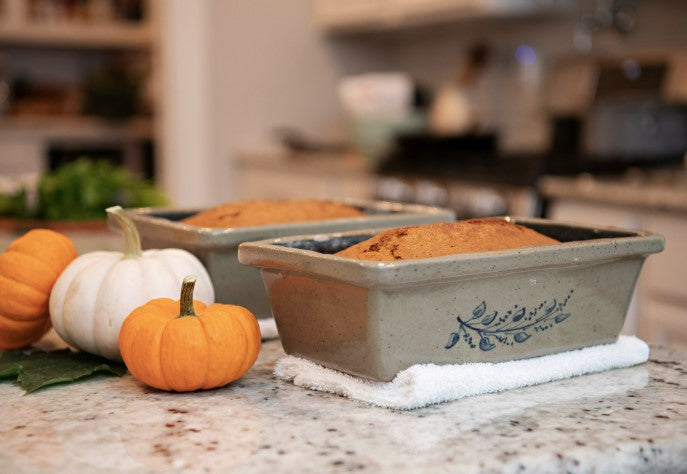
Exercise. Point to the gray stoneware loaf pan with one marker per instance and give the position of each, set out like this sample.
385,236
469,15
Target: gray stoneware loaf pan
374,319
217,248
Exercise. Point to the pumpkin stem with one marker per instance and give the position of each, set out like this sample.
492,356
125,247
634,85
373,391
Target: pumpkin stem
186,300
132,241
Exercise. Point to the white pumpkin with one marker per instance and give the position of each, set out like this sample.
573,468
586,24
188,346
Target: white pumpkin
98,290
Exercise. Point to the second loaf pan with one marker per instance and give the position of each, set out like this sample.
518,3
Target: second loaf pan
217,248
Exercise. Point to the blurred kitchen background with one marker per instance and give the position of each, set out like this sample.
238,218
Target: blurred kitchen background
574,110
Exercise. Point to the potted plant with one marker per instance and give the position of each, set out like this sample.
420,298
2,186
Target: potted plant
75,196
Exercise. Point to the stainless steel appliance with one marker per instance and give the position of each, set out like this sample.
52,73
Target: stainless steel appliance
629,120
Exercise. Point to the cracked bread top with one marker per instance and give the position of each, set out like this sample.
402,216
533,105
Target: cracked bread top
265,212
445,238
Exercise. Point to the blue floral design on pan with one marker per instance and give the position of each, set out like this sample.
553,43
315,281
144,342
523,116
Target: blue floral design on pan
515,326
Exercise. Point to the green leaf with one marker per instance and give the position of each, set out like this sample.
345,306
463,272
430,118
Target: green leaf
84,188
39,369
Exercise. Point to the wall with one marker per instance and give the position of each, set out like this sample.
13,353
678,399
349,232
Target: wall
272,68
187,163
268,66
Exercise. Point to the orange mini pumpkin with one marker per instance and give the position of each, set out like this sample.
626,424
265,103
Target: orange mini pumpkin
28,270
185,345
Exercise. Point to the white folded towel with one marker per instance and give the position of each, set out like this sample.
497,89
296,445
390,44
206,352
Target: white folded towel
426,384
268,328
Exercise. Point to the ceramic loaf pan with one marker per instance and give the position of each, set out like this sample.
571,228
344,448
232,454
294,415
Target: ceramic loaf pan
374,319
217,248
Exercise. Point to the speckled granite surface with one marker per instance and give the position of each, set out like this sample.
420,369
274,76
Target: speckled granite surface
629,420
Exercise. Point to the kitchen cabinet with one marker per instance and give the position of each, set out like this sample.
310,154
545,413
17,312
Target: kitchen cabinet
85,239
663,291
277,176
50,29
658,313
52,49
664,321
373,15
334,14
322,176
280,184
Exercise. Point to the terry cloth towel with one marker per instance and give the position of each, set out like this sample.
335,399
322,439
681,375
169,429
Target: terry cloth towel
426,384
268,328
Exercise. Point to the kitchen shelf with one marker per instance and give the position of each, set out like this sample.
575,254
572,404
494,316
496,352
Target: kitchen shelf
81,36
75,128
366,16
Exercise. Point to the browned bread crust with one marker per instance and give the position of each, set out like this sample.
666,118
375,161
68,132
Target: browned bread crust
444,238
265,212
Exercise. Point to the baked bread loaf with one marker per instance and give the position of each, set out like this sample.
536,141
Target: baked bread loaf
265,212
445,238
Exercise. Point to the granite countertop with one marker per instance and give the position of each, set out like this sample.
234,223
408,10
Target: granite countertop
629,420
